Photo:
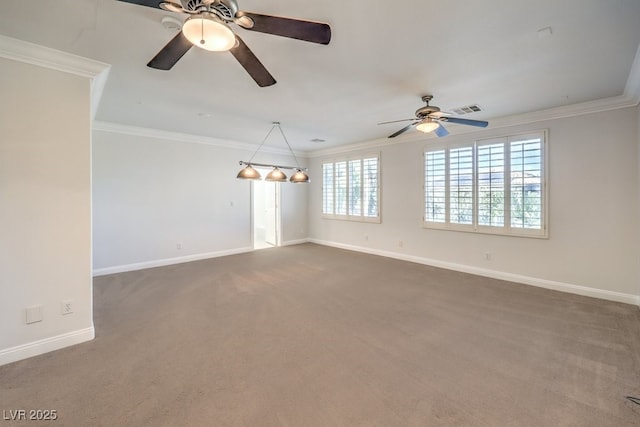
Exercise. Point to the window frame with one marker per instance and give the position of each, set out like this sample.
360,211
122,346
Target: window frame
348,216
507,229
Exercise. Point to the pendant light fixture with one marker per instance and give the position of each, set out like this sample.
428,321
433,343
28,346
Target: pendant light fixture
276,175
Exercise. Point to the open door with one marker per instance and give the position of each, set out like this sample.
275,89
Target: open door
266,214
271,213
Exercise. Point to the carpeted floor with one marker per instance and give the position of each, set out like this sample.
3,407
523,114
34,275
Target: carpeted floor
314,336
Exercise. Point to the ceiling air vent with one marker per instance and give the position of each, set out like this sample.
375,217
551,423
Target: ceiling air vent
467,109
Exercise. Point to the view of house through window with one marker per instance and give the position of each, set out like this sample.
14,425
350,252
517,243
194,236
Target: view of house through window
491,186
350,188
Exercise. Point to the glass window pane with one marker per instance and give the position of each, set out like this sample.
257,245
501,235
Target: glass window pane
435,186
340,183
491,185
526,184
461,185
327,188
355,187
370,186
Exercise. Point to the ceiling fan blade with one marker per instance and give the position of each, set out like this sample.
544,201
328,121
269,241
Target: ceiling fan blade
441,131
149,3
478,123
314,32
395,121
252,64
403,130
171,53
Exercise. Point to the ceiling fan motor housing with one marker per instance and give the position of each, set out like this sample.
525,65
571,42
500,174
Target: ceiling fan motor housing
226,9
423,112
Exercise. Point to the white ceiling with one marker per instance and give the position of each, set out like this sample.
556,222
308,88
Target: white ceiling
382,57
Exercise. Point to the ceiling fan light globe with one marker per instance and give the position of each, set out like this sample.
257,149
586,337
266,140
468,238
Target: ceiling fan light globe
427,125
208,32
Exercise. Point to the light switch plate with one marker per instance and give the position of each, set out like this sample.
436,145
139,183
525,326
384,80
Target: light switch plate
33,314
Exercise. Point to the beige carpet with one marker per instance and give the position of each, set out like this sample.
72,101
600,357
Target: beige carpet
314,336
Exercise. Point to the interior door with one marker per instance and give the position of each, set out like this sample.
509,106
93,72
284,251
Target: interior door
271,236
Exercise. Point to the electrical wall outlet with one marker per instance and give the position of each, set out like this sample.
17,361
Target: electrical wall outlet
67,307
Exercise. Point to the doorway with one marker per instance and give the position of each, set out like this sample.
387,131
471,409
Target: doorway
266,214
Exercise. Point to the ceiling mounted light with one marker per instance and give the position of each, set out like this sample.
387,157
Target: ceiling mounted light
427,125
276,175
205,30
248,173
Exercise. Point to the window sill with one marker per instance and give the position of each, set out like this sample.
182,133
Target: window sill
374,220
531,233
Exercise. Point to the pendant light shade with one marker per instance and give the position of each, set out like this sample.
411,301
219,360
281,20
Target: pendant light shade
248,172
208,32
299,177
276,175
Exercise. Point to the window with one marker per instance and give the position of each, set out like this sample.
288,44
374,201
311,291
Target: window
350,188
490,186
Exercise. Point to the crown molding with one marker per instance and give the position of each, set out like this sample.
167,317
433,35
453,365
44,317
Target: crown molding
565,111
573,110
185,137
41,56
20,50
364,146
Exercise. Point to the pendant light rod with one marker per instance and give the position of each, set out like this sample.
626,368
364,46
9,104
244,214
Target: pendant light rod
269,165
288,145
262,143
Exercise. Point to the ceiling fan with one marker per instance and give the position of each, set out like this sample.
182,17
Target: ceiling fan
207,27
428,119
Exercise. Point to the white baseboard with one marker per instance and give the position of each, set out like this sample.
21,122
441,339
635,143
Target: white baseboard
180,260
166,261
527,280
46,345
295,242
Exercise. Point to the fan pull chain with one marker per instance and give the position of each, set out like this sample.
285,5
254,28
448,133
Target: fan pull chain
202,26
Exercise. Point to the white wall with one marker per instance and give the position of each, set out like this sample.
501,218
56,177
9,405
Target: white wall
294,199
638,165
593,212
151,193
45,208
